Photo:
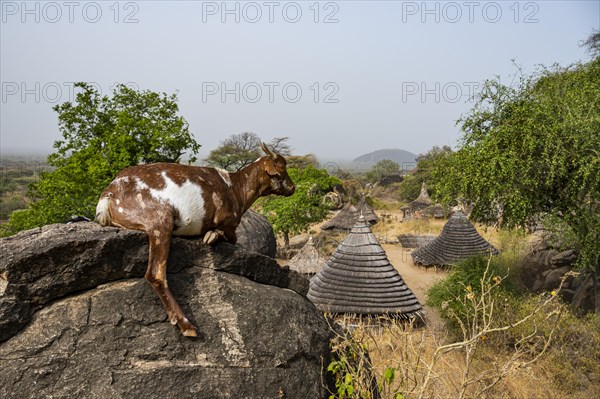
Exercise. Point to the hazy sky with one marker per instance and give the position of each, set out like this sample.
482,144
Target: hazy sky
340,78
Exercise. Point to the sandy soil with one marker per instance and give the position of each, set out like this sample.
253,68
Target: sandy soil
418,279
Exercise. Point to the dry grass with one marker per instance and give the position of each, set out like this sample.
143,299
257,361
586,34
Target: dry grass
409,350
499,369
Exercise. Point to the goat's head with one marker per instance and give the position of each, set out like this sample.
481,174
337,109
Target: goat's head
275,178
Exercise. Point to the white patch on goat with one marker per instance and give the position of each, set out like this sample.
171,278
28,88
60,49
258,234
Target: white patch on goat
121,180
140,200
187,200
225,176
140,184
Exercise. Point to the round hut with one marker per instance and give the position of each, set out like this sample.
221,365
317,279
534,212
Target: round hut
359,280
459,240
422,202
348,216
436,211
308,260
367,211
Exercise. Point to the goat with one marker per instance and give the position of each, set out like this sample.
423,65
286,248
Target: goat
166,199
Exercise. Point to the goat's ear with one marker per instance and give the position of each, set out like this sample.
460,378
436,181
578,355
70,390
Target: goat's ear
271,170
268,151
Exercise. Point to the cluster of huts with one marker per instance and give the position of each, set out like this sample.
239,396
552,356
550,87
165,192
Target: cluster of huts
359,280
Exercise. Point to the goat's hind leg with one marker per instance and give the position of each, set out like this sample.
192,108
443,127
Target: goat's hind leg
160,241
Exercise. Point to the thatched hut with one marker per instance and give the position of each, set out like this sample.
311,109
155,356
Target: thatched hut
348,216
459,240
436,211
422,202
307,261
414,240
359,280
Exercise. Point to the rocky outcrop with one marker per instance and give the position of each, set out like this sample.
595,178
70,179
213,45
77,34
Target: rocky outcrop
255,233
77,320
545,266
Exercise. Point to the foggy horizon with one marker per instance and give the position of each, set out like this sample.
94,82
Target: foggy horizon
340,79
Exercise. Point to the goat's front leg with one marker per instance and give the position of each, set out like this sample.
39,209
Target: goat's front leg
160,241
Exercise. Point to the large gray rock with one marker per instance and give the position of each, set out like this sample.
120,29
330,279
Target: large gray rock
255,233
78,321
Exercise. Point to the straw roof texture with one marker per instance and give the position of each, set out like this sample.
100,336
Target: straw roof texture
367,211
458,240
348,216
359,279
436,211
415,241
308,260
422,201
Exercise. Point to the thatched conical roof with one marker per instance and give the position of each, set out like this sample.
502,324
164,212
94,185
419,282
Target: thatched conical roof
423,197
458,240
422,201
367,211
308,260
359,279
348,216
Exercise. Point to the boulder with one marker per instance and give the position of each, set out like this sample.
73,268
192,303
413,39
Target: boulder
583,298
78,320
564,258
554,276
255,233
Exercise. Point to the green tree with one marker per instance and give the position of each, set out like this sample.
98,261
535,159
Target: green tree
533,150
293,215
102,135
411,185
240,150
382,169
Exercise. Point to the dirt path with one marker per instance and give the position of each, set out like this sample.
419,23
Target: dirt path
418,279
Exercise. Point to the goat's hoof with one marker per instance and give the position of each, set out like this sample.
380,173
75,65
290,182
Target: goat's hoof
187,329
210,237
190,332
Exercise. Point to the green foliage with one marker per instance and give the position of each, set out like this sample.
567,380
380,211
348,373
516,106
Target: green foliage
467,280
409,189
382,169
100,137
533,150
293,215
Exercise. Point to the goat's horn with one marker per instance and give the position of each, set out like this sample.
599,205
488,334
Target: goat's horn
268,151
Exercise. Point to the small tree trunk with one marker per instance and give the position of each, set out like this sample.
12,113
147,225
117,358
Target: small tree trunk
286,240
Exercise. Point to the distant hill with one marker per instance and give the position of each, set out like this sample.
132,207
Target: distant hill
406,159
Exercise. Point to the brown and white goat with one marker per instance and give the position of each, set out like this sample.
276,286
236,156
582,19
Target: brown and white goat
166,199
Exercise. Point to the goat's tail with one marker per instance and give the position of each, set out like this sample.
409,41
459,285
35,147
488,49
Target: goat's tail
102,213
